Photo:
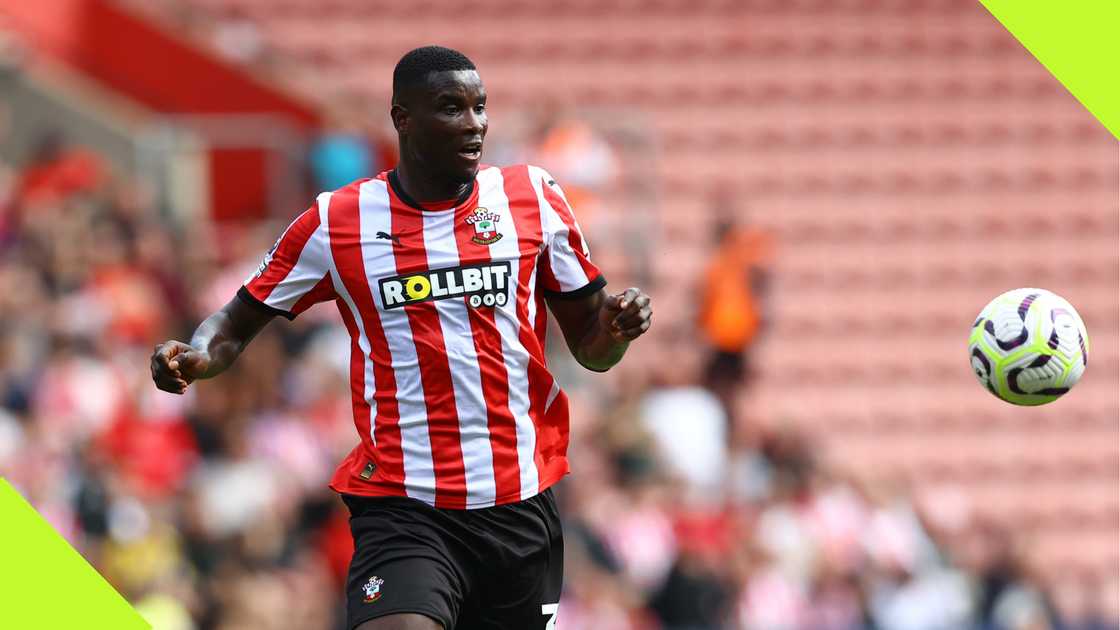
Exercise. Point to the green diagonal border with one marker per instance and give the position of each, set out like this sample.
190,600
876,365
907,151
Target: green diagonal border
1078,41
45,584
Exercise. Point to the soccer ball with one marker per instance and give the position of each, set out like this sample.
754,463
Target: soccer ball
1028,347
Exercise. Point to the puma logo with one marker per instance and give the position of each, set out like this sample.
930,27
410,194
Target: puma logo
389,237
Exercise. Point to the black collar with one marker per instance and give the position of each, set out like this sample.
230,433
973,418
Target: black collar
395,182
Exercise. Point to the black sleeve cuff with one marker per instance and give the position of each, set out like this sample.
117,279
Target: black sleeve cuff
249,299
591,287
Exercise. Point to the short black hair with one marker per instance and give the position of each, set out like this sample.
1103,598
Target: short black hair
415,66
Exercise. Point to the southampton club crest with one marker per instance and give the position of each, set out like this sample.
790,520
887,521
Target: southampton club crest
485,226
372,589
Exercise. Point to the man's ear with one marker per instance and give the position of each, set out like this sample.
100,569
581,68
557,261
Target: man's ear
400,117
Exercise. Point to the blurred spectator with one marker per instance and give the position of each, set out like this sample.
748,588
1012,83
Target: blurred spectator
732,296
693,596
697,593
346,150
575,153
695,450
57,169
1010,597
340,157
1091,609
238,37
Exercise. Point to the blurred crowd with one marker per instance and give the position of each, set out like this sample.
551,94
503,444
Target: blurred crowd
210,511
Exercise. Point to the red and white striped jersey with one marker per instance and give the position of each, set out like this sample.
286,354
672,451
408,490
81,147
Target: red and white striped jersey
452,396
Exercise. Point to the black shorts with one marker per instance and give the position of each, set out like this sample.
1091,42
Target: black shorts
494,568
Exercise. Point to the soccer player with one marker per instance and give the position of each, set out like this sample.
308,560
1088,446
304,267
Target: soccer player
441,269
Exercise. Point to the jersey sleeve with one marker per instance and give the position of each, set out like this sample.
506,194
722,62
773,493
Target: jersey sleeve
565,269
295,273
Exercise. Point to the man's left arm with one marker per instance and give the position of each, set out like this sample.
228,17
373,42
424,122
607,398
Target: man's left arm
599,327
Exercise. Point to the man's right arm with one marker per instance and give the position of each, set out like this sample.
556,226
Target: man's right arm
214,347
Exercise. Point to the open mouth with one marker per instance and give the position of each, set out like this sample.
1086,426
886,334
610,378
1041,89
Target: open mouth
471,150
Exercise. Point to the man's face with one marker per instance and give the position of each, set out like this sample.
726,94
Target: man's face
445,124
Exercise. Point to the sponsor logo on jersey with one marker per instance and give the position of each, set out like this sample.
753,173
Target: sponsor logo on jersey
485,284
485,226
372,589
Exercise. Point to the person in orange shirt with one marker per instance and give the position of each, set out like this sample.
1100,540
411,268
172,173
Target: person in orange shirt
731,313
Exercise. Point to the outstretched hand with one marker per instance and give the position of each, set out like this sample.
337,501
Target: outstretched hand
176,365
627,315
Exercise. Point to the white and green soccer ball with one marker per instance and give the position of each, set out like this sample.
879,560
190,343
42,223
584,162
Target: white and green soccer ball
1028,347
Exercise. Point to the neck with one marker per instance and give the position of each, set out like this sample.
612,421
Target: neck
424,188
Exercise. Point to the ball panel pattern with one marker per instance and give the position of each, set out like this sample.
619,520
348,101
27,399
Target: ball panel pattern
1028,347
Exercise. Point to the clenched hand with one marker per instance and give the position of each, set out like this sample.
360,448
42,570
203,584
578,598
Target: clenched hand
176,365
627,315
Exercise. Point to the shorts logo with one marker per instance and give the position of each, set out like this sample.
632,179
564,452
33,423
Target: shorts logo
485,226
372,589
485,284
